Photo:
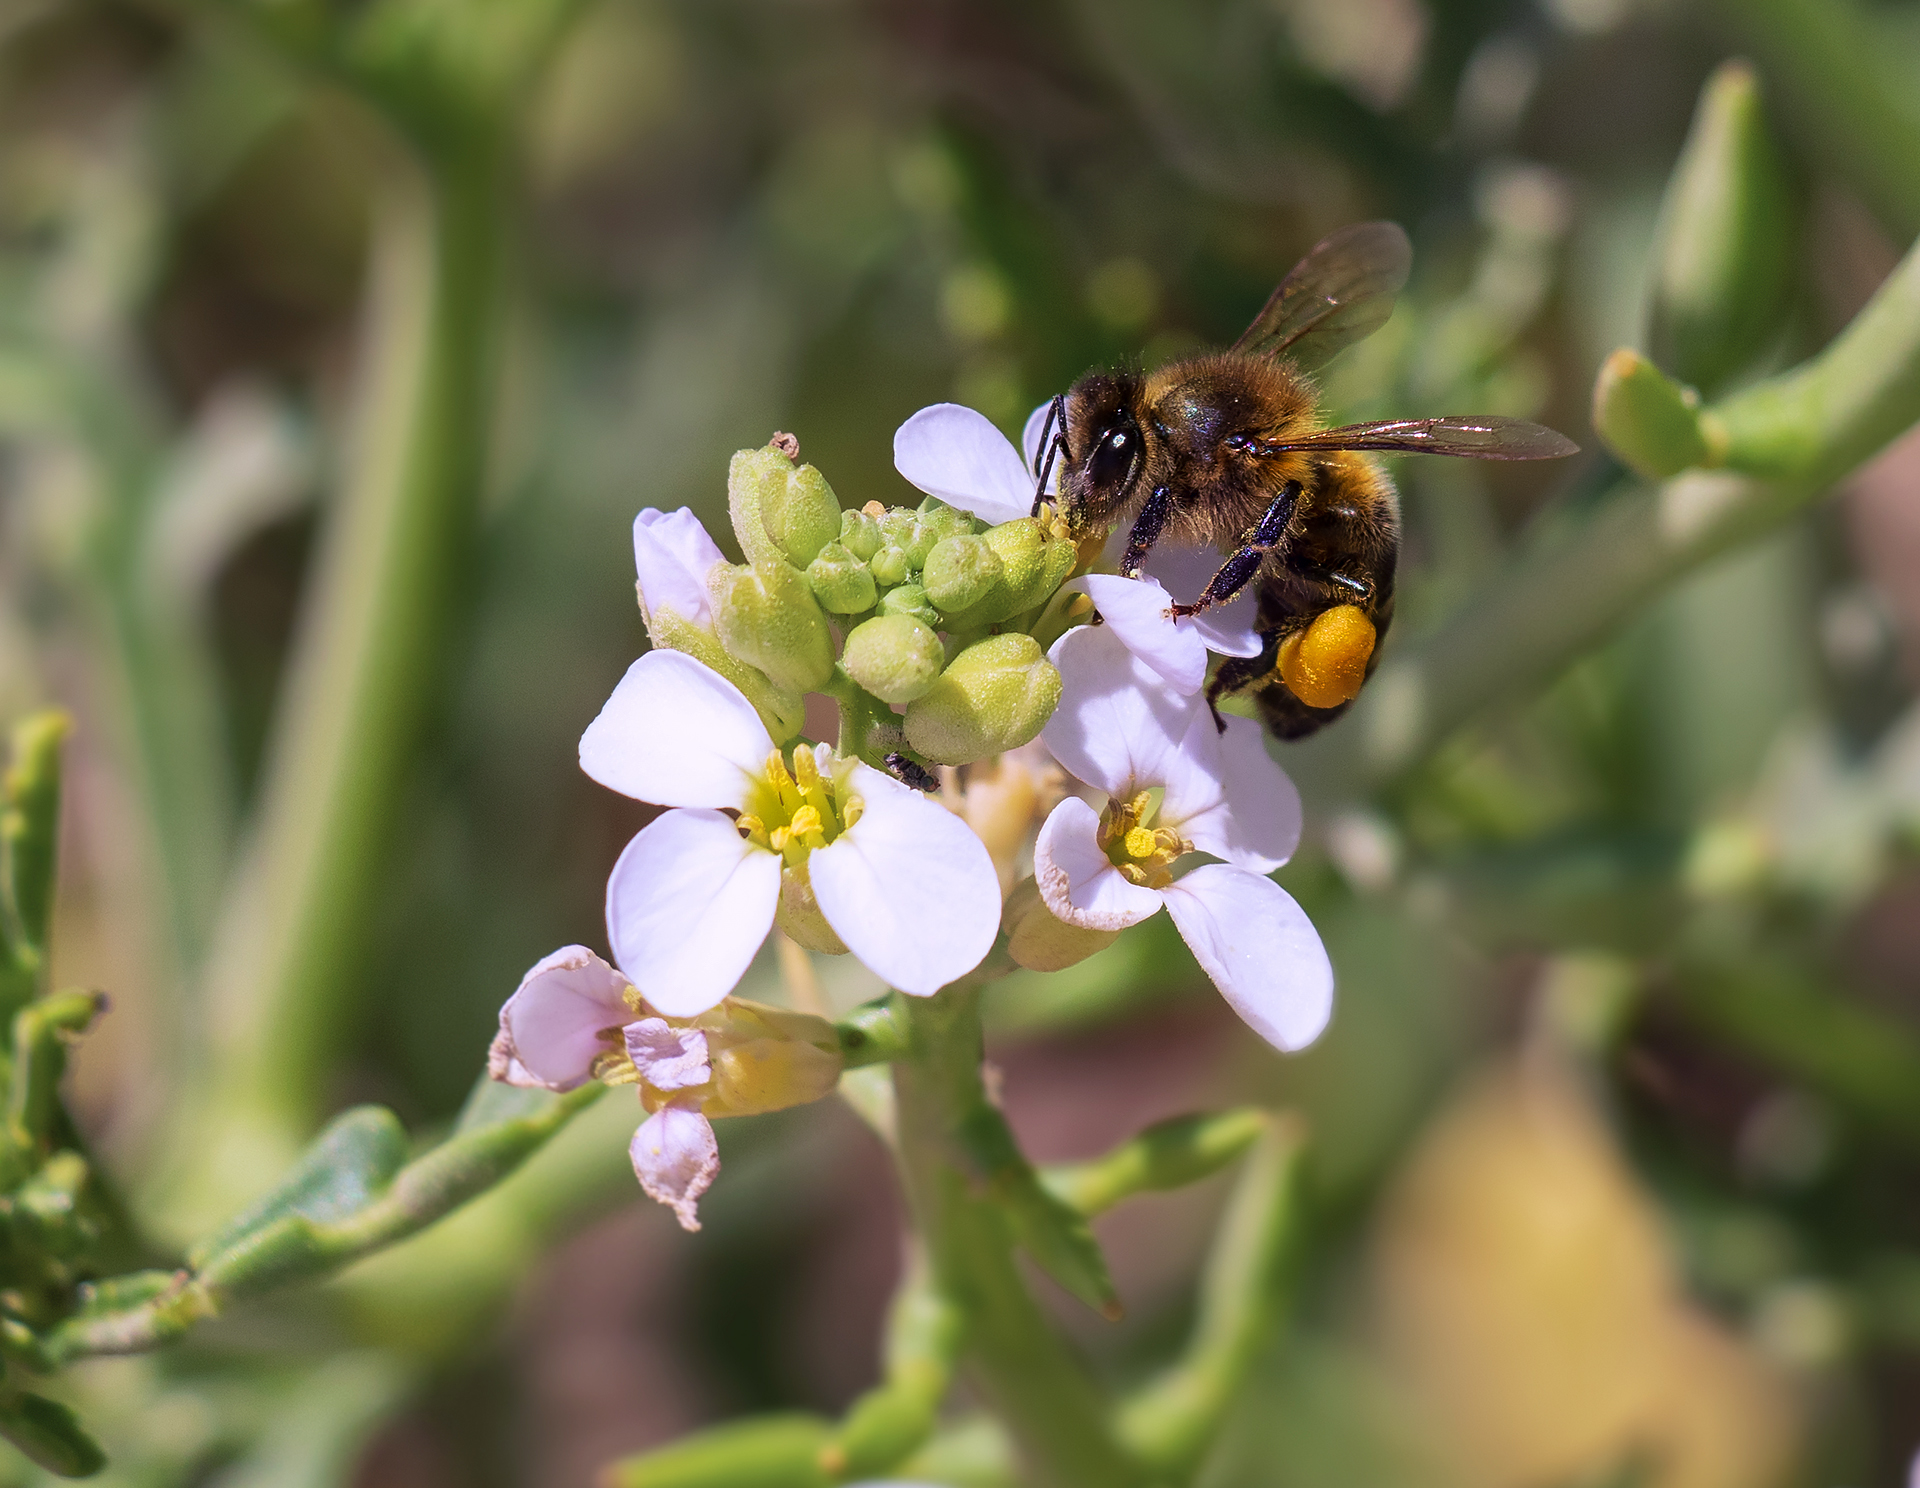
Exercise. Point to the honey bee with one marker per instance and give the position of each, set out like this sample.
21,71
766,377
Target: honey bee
1226,449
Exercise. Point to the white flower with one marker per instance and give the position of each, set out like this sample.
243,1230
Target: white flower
1176,786
899,879
571,1013
672,555
958,455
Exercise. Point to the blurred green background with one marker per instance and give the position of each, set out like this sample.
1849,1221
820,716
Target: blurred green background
1617,1132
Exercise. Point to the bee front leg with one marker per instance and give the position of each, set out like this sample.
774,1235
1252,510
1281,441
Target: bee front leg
1147,528
1233,575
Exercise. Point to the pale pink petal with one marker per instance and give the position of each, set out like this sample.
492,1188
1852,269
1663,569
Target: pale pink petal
1185,572
1075,878
1117,723
1139,612
1241,805
667,1058
677,733
550,1027
688,904
672,554
1260,949
958,455
504,1067
909,887
676,1160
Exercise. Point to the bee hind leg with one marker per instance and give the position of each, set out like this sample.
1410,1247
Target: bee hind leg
1236,674
1233,575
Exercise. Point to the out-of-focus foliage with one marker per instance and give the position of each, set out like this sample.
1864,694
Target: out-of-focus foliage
338,345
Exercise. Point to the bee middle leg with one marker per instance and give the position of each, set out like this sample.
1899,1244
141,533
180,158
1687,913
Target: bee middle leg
1233,575
1238,673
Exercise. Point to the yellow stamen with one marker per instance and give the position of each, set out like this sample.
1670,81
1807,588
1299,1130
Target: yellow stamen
1141,842
807,828
851,812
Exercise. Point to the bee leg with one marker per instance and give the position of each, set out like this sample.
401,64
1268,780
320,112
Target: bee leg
1053,434
1233,575
1147,528
1236,674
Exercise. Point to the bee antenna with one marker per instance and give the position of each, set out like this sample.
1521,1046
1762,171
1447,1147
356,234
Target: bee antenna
1053,434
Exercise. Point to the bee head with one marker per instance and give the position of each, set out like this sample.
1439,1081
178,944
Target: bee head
1105,453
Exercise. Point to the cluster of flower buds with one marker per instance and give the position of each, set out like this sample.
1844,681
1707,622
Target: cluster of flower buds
1005,774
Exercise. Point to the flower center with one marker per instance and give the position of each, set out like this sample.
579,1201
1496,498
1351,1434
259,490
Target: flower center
1143,853
795,811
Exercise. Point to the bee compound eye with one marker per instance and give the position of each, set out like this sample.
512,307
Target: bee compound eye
1117,440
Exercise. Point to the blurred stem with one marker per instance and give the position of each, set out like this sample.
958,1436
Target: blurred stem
1168,1154
368,668
1246,1286
1788,440
1864,1061
1037,1385
1859,101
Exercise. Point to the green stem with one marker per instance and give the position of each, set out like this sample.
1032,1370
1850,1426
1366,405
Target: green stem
1038,1386
368,670
1248,1282
1788,438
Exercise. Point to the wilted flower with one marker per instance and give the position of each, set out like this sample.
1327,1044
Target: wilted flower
847,857
574,1018
1178,786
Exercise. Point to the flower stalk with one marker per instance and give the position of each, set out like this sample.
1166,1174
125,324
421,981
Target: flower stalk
1042,1392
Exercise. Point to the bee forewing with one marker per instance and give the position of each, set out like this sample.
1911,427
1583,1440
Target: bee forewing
1338,294
1474,437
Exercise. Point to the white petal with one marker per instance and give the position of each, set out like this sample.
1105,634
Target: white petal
1117,723
1075,878
688,904
676,1160
551,1025
1030,445
956,454
908,887
1186,572
1260,949
666,1057
1252,816
672,555
677,733
1139,612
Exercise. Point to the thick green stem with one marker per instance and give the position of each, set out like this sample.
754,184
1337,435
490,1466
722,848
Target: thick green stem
1036,1383
369,668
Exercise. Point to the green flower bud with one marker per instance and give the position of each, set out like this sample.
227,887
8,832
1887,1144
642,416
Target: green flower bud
889,566
859,534
897,524
784,713
779,509
1033,566
911,599
939,520
895,657
995,695
960,572
841,581
766,616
